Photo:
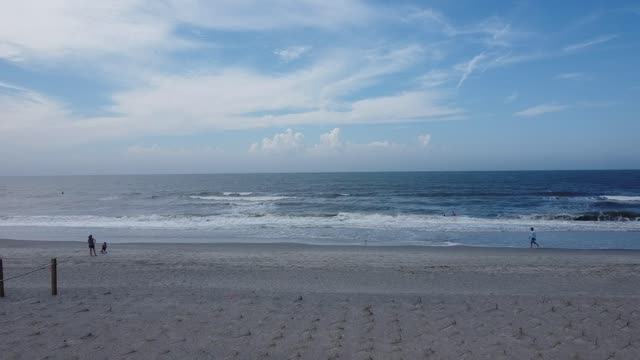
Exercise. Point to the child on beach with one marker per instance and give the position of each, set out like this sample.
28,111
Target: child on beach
532,237
104,248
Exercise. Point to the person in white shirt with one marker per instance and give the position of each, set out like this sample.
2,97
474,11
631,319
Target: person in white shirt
532,237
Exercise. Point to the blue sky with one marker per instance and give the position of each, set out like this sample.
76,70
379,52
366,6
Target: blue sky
257,86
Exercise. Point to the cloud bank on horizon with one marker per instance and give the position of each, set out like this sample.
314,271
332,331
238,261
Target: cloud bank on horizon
249,86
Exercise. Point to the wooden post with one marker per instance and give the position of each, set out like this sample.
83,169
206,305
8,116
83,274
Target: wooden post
1,280
54,276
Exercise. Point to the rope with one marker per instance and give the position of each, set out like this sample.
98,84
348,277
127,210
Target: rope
27,273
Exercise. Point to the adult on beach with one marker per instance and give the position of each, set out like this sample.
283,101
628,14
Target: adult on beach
92,245
532,237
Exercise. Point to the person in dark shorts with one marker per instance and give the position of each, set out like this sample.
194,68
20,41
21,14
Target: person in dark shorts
104,248
92,246
532,237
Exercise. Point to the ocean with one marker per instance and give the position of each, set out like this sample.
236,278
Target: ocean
569,209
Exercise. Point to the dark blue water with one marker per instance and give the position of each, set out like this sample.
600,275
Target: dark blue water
580,209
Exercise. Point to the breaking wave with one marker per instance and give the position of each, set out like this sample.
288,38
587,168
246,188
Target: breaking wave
560,222
239,198
613,216
621,198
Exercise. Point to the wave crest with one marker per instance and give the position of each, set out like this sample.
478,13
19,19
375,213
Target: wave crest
239,198
621,198
558,222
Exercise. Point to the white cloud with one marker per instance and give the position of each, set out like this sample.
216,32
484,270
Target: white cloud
286,142
469,67
511,98
572,76
542,109
589,43
10,52
431,16
492,31
32,29
257,15
499,33
23,108
331,144
331,139
408,106
58,28
424,139
291,53
434,78
235,98
356,69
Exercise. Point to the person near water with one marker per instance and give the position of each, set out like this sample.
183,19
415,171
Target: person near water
92,246
532,237
453,213
104,248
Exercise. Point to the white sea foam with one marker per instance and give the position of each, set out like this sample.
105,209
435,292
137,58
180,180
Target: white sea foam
342,220
242,198
109,198
237,193
621,198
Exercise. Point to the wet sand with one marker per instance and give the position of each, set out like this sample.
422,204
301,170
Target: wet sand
283,301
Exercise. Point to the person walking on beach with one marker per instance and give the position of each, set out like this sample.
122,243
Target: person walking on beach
92,246
104,248
532,237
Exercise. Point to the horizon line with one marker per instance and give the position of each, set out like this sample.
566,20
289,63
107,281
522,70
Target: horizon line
320,172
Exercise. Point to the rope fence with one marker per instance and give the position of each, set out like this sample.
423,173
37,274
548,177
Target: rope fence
54,276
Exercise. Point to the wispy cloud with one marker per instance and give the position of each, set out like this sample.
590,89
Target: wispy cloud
433,17
554,107
469,67
325,91
70,28
239,98
572,76
291,53
589,43
491,32
79,29
207,67
435,78
511,98
260,15
541,109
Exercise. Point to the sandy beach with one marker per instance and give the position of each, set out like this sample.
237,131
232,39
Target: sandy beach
285,301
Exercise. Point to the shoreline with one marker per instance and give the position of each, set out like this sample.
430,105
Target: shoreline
299,245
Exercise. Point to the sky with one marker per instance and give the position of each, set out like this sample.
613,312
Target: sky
190,86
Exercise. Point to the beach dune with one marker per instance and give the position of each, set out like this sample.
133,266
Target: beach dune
285,301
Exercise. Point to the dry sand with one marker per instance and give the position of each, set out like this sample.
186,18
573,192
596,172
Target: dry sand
283,301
